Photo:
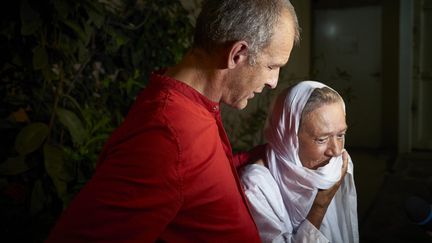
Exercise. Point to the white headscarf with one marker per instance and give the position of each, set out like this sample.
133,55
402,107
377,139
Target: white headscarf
299,184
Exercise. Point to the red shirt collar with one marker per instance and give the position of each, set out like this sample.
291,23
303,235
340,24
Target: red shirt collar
158,78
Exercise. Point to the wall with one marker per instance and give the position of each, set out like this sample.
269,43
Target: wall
390,73
347,57
299,65
422,76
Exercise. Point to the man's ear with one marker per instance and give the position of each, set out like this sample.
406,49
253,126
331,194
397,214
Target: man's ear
238,54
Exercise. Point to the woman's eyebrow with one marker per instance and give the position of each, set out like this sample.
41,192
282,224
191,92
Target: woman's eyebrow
330,133
345,129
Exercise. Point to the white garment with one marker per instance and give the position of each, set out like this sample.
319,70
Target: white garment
298,185
268,209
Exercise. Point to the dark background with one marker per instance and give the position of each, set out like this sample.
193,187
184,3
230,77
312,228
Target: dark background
70,70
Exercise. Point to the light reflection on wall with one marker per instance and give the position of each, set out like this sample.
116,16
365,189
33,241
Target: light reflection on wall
331,30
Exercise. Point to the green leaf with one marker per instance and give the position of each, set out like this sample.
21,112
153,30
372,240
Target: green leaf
63,8
97,18
102,123
73,124
37,198
73,101
78,30
56,169
88,30
59,171
55,164
66,44
14,166
53,160
99,138
40,57
31,138
72,154
121,39
83,53
30,19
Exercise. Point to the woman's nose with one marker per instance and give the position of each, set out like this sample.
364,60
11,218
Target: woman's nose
335,147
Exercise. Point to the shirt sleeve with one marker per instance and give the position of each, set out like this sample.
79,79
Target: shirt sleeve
242,158
269,212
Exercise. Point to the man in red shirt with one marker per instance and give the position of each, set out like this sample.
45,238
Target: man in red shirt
167,173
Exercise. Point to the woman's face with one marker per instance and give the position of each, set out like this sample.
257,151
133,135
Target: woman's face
322,135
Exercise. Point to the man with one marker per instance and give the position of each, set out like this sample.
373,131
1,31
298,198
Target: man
168,173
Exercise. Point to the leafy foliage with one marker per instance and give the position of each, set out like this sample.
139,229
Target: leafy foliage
244,128
69,72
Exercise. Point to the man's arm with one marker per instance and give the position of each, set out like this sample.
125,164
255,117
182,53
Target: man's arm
133,195
251,156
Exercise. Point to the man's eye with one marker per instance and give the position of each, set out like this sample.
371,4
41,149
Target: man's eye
341,136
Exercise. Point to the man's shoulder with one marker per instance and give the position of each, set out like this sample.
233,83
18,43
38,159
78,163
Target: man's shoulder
168,113
170,103
184,108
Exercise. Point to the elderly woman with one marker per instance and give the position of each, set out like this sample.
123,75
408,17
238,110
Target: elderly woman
305,133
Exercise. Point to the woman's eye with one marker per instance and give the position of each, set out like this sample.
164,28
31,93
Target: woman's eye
269,67
321,140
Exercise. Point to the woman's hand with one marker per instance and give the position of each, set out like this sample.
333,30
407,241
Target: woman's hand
324,197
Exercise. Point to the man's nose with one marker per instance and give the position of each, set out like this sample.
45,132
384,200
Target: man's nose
272,82
335,147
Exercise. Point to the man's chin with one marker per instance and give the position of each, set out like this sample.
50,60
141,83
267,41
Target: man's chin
239,105
242,105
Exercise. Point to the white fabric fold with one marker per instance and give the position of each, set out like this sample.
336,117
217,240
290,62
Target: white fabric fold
269,211
298,184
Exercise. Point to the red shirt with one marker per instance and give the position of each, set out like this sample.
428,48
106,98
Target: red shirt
167,173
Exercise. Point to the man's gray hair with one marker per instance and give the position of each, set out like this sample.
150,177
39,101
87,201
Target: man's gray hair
226,21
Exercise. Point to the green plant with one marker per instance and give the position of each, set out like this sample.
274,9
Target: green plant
244,128
69,72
